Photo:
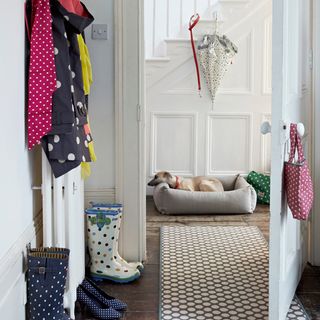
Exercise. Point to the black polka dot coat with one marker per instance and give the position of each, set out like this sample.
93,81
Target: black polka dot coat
66,146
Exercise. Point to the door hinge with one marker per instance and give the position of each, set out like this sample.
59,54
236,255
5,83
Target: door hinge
311,59
284,132
74,188
139,112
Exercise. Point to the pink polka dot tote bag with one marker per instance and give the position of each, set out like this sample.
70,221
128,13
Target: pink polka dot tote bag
297,179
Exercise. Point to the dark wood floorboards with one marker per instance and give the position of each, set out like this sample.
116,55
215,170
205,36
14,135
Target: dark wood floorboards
308,291
142,296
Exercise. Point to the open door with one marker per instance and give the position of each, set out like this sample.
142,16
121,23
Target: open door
291,102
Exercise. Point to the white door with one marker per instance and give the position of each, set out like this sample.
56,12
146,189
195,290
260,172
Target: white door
291,103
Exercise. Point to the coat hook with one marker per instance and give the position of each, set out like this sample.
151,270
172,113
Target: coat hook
266,128
300,129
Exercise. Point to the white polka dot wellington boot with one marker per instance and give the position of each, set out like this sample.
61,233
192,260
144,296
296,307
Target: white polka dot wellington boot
102,233
47,274
118,208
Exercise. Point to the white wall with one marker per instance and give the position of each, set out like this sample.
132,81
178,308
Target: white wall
20,219
100,186
19,204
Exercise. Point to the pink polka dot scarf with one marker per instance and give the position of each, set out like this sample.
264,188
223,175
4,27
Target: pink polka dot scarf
42,74
297,179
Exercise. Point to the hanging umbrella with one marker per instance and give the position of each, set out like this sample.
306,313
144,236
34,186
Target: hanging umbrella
215,55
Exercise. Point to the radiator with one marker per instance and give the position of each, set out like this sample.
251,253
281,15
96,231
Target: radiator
63,223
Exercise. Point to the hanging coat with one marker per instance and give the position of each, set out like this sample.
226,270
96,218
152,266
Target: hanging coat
66,146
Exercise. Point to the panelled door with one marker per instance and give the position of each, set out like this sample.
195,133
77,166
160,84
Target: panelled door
291,102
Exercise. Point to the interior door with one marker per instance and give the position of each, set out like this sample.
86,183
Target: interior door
291,102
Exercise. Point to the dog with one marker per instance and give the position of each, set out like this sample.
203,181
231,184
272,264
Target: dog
190,184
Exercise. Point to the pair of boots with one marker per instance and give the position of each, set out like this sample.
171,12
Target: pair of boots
103,229
46,279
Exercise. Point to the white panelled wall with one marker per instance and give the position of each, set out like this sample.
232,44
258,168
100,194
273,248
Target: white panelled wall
185,135
21,220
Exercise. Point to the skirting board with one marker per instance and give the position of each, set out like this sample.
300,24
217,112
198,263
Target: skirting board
99,195
12,270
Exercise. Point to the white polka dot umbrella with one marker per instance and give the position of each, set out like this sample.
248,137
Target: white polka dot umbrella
215,55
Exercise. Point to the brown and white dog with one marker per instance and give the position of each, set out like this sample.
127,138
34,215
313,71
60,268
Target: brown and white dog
189,184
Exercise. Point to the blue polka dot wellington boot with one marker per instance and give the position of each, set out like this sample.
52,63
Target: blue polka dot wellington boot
51,250
103,231
47,274
103,296
96,307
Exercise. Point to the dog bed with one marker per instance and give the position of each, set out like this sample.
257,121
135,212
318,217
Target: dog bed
238,197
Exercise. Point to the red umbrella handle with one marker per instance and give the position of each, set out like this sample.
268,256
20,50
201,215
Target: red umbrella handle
192,23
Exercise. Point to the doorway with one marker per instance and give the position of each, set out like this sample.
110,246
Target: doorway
295,118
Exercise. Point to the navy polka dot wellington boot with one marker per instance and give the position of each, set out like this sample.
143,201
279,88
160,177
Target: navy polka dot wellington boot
47,274
51,250
96,308
103,296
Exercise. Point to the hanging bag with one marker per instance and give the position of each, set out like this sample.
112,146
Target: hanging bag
297,179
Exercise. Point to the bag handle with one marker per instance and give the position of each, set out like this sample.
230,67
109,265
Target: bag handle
295,144
192,23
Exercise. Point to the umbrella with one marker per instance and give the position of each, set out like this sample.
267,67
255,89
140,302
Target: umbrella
215,54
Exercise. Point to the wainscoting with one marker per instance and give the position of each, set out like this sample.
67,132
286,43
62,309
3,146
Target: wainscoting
106,195
13,290
185,134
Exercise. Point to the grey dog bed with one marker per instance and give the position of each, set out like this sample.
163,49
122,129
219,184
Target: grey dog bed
238,197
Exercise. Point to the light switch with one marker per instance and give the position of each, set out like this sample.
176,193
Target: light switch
100,31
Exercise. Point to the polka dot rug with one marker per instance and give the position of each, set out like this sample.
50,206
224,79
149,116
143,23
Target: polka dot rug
216,273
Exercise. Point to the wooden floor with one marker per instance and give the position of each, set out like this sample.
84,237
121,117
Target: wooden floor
142,296
308,291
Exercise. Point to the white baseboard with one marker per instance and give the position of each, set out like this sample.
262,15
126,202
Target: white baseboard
149,191
99,195
12,272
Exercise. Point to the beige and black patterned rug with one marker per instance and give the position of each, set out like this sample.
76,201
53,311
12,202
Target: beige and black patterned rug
216,273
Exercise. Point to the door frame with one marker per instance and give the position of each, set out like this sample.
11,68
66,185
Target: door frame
314,254
130,154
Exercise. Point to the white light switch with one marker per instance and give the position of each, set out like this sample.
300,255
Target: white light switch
100,31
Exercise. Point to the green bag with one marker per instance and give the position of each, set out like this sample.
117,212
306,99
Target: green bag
261,183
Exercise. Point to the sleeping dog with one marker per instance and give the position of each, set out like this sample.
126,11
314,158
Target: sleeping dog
189,184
